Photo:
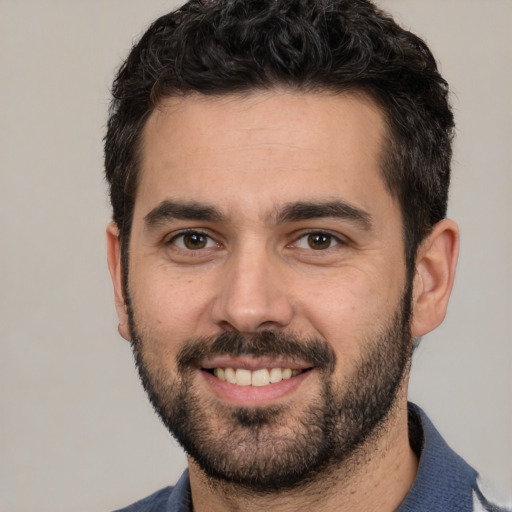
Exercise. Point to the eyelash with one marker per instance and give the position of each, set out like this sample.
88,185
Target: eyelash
190,232
332,240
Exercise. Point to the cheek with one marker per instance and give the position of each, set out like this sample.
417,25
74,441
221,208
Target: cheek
169,308
348,308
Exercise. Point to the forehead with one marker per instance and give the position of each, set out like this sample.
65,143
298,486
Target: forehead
262,148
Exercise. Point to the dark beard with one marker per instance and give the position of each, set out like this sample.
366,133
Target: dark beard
254,447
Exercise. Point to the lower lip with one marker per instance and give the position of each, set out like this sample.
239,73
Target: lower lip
254,395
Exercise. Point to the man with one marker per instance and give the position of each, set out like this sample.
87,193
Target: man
279,175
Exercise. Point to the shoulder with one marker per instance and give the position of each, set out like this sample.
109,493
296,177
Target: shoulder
444,480
487,498
168,499
156,502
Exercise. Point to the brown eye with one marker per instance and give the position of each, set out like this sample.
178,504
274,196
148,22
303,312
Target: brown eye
319,241
193,241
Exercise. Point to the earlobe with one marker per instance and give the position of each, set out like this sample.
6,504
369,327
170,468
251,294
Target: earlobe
435,273
116,273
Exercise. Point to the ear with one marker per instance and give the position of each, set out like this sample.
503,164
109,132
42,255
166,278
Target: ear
433,281
116,273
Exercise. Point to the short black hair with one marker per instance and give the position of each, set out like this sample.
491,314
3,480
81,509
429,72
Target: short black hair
219,47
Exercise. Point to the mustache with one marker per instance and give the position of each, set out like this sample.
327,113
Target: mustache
315,352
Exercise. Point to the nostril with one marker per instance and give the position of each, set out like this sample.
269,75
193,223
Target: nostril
227,327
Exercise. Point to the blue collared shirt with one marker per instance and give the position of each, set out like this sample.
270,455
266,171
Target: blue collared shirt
444,482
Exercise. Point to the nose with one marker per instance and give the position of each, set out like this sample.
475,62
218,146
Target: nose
252,295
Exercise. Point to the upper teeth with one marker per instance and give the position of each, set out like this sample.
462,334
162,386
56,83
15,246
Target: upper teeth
263,377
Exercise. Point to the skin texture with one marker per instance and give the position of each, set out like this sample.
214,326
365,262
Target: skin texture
247,159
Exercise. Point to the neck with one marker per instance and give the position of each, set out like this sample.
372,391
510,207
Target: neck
377,477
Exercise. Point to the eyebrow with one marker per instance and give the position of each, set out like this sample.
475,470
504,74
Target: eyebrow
170,210
291,212
294,212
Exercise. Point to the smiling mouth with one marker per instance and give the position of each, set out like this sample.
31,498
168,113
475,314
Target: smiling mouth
260,377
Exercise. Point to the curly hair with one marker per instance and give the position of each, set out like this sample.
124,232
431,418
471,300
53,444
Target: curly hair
219,47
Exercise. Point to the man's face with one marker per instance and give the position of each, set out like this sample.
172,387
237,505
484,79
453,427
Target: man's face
267,288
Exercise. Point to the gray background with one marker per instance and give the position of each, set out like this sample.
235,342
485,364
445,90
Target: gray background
76,432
